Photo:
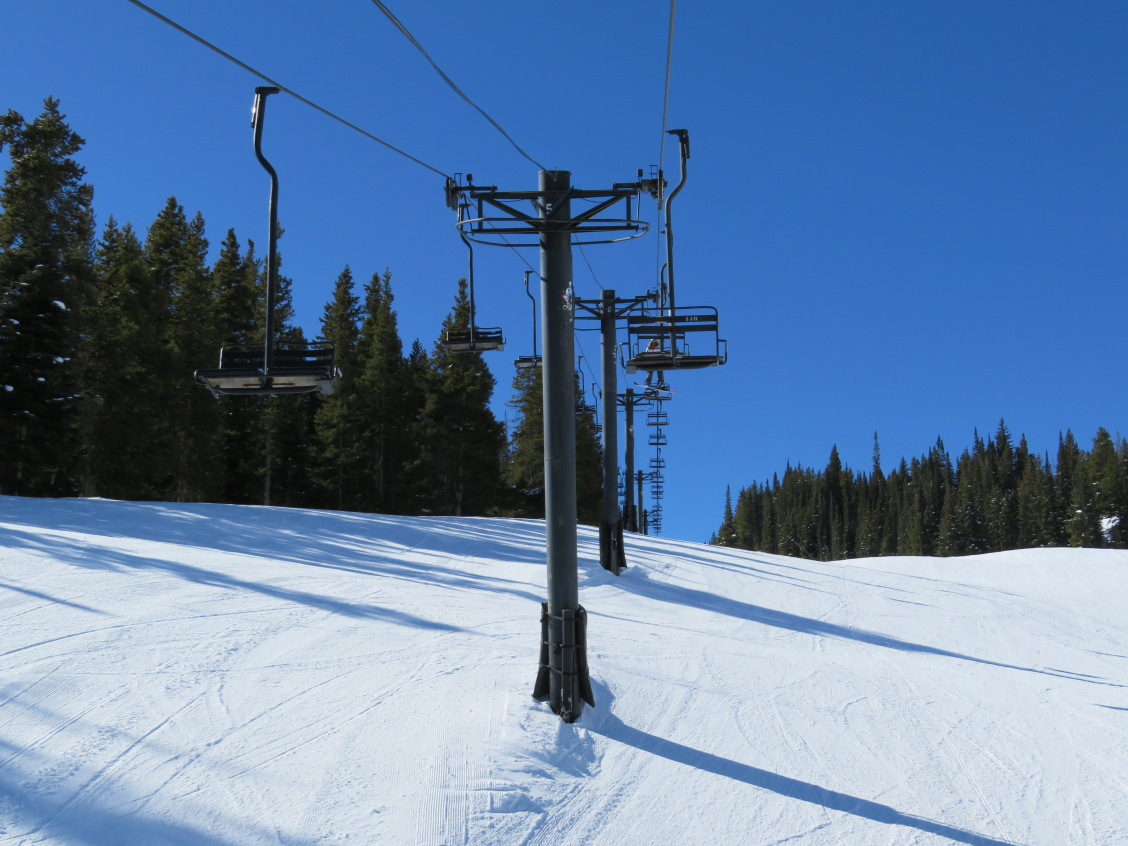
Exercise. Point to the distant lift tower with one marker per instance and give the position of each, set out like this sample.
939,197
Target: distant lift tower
563,677
607,310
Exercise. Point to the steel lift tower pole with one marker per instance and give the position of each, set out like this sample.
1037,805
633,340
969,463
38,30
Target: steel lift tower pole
611,553
557,329
607,310
629,403
563,677
632,511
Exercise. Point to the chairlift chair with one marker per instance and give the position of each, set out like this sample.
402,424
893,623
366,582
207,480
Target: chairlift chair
528,362
660,339
475,338
295,369
270,369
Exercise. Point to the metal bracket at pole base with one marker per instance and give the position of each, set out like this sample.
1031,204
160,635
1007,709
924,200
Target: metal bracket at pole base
611,554
563,677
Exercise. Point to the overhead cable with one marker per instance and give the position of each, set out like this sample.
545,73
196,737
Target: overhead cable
388,13
666,99
283,88
662,143
587,363
592,269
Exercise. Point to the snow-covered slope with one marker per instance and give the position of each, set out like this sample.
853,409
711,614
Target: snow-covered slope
199,674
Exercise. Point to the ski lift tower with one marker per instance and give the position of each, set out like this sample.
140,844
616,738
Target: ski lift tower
551,225
607,309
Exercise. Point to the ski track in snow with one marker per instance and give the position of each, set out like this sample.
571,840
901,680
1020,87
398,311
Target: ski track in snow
197,674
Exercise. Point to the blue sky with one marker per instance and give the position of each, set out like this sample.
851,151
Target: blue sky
913,217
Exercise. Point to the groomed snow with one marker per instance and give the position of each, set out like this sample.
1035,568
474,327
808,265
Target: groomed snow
207,675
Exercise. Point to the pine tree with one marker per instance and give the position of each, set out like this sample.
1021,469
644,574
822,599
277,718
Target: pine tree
287,420
871,516
412,493
1107,474
461,442
238,295
46,260
1084,525
338,420
192,454
380,384
726,535
1035,506
1119,533
524,465
123,363
589,465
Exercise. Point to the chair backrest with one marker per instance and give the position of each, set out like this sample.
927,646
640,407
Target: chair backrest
317,356
649,326
478,339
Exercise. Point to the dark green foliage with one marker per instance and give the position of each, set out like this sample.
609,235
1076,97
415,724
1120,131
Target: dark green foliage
238,293
996,497
524,467
98,347
46,264
460,442
338,420
191,449
124,358
385,404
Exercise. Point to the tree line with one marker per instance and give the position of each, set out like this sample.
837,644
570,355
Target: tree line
996,496
100,334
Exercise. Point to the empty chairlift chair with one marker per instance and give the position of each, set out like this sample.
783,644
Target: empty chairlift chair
269,369
294,369
475,338
528,362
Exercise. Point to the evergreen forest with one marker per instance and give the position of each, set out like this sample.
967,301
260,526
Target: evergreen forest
101,330
100,333
998,495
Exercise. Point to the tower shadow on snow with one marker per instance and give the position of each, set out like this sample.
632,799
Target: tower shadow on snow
606,723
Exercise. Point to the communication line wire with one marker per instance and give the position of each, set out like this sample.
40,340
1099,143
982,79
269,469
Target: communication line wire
282,87
388,13
592,269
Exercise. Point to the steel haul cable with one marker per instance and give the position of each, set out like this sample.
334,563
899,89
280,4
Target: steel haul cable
395,21
282,87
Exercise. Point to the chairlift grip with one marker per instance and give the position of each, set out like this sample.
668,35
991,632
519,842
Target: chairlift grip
257,119
683,136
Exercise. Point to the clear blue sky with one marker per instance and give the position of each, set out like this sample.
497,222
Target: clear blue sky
913,217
